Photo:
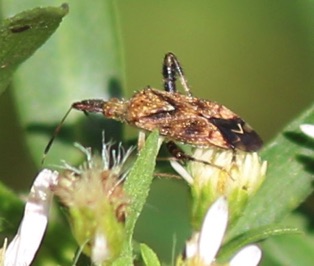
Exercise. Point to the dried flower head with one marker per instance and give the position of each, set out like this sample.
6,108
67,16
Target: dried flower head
96,201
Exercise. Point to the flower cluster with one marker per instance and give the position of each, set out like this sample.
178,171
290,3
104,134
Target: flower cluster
235,175
221,183
97,205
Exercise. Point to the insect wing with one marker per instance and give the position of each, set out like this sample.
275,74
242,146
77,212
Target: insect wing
238,134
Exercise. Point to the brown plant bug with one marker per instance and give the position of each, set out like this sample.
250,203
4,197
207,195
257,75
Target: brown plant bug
178,117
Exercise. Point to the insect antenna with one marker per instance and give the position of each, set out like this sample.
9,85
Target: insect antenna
86,106
55,133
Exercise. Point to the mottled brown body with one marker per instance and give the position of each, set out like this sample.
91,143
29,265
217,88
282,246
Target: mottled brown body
184,118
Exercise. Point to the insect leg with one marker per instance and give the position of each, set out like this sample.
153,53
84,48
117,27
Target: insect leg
234,155
141,140
171,67
179,154
167,175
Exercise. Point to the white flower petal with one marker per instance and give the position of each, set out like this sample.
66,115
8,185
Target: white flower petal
247,256
191,246
3,250
213,229
23,247
100,251
308,129
181,171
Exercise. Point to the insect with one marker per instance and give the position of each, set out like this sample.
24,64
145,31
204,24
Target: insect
178,117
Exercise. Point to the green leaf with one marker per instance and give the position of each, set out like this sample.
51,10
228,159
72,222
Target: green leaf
137,186
11,210
289,250
81,61
255,236
288,180
23,34
149,256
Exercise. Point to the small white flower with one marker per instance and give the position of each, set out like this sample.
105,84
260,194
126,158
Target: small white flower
308,129
237,175
204,246
24,246
226,170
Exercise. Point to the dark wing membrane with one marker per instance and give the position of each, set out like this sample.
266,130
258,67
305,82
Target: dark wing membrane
238,134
